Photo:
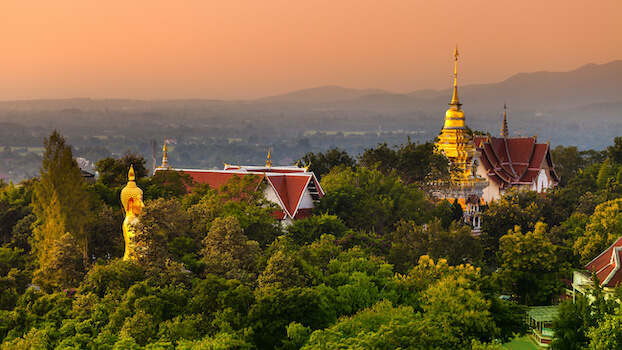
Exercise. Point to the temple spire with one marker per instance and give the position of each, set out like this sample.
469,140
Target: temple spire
164,165
504,128
454,100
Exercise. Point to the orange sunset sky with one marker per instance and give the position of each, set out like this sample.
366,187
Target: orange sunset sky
245,49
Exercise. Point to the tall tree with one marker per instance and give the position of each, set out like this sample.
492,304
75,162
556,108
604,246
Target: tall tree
322,162
529,266
413,162
368,199
603,228
113,172
60,202
615,151
227,251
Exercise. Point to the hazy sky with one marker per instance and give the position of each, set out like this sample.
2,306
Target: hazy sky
242,49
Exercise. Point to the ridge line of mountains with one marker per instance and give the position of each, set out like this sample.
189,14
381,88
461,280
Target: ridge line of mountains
591,85
587,85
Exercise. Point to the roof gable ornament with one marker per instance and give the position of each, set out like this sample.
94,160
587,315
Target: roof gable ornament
269,158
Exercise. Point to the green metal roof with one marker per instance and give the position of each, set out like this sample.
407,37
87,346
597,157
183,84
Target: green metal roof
543,313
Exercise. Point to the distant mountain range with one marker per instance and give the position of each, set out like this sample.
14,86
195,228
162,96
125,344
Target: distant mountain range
538,91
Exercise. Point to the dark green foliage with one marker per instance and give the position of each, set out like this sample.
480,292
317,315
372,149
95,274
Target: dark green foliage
413,162
456,244
276,308
571,324
615,151
166,184
588,321
113,172
322,162
307,231
227,251
328,281
112,278
13,276
529,267
370,200
516,208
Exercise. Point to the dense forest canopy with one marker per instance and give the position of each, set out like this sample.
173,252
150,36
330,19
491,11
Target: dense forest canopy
380,264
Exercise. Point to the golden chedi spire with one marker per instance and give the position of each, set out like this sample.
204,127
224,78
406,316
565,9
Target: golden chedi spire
504,127
164,165
454,140
132,201
454,100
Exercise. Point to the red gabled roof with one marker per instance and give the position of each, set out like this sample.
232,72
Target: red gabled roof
607,265
514,161
289,189
289,185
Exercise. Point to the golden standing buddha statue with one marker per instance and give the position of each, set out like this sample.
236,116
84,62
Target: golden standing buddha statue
132,200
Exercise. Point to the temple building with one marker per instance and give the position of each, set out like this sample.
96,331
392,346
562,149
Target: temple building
608,268
457,145
514,162
293,189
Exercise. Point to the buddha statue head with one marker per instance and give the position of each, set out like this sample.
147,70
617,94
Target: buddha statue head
132,196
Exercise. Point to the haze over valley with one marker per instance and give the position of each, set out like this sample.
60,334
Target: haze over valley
579,108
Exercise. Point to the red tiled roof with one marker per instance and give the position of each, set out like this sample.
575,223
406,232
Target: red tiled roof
289,185
289,190
513,161
607,265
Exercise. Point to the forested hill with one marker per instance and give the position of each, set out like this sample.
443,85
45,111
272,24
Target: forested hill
379,265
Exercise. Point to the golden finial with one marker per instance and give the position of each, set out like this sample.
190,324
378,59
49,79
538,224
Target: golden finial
536,135
454,100
269,158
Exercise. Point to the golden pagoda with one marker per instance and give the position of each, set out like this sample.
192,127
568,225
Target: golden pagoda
457,145
454,141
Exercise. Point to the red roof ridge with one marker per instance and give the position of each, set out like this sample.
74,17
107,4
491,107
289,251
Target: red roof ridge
598,265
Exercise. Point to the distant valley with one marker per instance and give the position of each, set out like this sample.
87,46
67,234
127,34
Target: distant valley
580,108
